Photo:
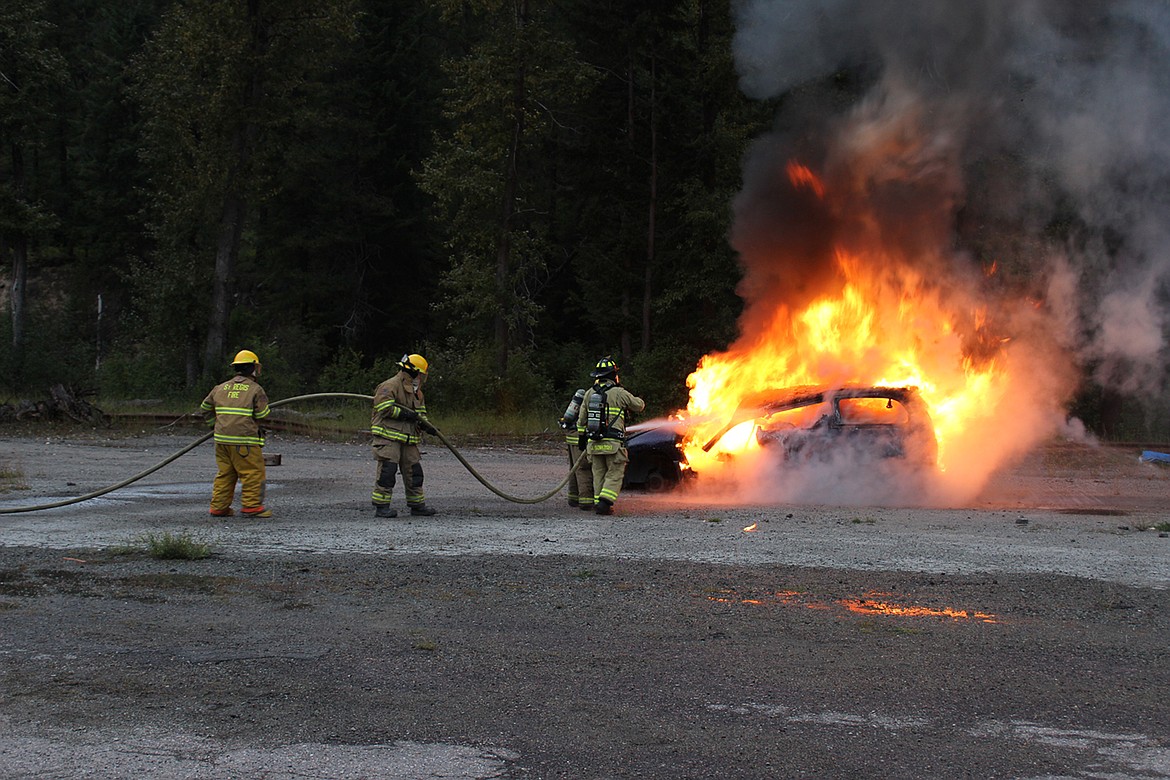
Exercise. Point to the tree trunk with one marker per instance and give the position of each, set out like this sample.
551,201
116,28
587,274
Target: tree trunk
19,285
226,250
235,204
503,341
653,210
624,342
1112,405
191,362
19,249
624,337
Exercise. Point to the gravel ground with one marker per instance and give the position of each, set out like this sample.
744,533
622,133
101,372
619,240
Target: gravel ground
1022,636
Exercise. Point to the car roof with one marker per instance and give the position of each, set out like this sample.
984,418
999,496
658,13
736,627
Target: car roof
781,399
806,395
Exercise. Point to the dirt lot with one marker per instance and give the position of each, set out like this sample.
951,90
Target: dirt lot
1023,636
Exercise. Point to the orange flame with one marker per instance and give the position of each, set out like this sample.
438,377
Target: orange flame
873,332
885,319
799,175
873,603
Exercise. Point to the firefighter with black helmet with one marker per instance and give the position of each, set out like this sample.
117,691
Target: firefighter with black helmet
236,408
400,415
601,428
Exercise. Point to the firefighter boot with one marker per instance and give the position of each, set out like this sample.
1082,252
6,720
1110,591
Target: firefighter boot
422,509
604,506
385,510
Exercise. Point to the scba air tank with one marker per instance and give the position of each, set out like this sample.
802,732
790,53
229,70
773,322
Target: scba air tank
573,409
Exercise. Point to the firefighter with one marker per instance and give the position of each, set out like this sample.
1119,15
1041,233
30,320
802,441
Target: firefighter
581,477
236,408
399,414
601,428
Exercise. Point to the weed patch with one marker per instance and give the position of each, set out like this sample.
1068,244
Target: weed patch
11,478
166,546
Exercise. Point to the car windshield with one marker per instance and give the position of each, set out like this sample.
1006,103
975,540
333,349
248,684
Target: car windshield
872,411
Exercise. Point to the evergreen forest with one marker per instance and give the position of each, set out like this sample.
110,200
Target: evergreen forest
512,188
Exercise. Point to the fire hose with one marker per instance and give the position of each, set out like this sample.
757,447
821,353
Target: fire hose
312,396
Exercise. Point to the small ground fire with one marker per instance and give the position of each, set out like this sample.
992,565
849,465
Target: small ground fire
872,603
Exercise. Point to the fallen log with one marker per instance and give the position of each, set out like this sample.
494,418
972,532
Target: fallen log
63,402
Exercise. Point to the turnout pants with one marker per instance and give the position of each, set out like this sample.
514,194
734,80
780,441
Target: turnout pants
238,462
581,480
391,458
609,460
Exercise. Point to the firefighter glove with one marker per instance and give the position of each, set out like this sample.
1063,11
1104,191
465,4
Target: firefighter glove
581,442
410,415
427,427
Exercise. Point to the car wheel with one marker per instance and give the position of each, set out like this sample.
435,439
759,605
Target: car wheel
657,481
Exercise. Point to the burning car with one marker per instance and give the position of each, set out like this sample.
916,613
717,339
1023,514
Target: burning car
656,461
799,424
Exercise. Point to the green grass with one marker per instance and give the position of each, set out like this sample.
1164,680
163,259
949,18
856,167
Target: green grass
354,416
166,546
11,478
424,643
346,417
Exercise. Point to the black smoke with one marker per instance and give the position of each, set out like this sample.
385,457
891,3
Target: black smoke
1032,135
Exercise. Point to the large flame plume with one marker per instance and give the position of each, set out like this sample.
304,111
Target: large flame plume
966,197
851,278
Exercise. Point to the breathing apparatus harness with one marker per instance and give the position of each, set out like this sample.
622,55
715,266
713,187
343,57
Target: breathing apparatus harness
598,425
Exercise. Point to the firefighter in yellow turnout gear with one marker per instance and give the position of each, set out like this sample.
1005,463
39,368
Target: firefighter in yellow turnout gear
400,412
601,428
236,408
581,477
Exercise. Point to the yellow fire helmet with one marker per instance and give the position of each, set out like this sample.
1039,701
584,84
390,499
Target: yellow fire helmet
244,357
414,363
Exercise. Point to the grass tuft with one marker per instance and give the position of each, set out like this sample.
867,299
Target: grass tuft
11,478
167,546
